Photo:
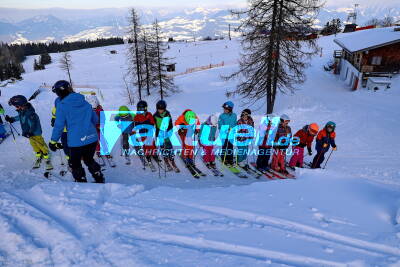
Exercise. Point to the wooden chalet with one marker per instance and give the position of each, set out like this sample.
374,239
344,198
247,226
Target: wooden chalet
368,53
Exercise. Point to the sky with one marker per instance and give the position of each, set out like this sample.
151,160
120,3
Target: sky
92,4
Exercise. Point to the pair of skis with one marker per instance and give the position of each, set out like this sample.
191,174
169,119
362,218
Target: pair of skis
272,174
104,160
194,171
213,169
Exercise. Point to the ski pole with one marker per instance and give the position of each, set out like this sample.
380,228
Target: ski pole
328,159
15,141
12,127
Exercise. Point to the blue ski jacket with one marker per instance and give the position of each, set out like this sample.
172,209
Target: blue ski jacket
77,115
30,122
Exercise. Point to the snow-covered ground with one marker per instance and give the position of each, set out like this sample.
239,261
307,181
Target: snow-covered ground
344,215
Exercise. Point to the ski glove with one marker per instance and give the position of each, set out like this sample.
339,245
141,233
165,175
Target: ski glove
53,121
334,148
54,146
9,119
325,145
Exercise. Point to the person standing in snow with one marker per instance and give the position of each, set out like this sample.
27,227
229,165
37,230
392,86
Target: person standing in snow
265,149
325,140
125,120
145,118
3,131
306,136
282,142
165,124
226,122
245,119
98,109
189,125
31,129
209,127
77,115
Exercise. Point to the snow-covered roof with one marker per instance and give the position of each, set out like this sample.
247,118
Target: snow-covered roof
368,39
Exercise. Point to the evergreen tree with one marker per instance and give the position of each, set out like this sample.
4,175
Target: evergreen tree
275,50
45,59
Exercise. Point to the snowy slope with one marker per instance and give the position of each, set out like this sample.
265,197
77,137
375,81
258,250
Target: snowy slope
342,215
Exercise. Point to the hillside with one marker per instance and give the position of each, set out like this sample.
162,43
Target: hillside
341,216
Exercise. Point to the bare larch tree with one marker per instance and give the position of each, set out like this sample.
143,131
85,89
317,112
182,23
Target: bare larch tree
162,80
134,52
66,64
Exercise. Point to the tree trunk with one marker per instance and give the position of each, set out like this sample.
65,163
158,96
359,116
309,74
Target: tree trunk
272,38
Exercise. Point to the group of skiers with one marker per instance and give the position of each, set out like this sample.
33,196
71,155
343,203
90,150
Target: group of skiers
76,130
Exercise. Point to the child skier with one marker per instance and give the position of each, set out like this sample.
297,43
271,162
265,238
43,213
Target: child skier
208,149
3,132
166,149
125,120
143,117
282,142
325,140
306,136
31,129
245,119
190,124
265,149
94,102
226,122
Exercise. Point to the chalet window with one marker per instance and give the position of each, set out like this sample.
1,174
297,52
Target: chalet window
376,60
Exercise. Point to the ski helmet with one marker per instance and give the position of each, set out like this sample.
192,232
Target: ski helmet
18,101
62,88
285,117
161,105
213,120
190,116
141,105
228,105
123,111
246,111
331,124
313,128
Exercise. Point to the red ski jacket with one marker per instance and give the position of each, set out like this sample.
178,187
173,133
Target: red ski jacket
306,138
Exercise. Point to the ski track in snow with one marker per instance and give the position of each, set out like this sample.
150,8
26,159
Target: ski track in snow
295,227
227,248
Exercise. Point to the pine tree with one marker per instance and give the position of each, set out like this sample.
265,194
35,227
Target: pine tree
161,80
45,59
275,50
134,55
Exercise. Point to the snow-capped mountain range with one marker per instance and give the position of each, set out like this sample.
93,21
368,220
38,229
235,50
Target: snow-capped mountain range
18,25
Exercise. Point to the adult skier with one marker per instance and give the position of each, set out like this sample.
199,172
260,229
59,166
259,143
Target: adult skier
31,129
243,150
306,136
78,116
325,140
226,122
164,124
125,120
143,117
208,131
281,144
